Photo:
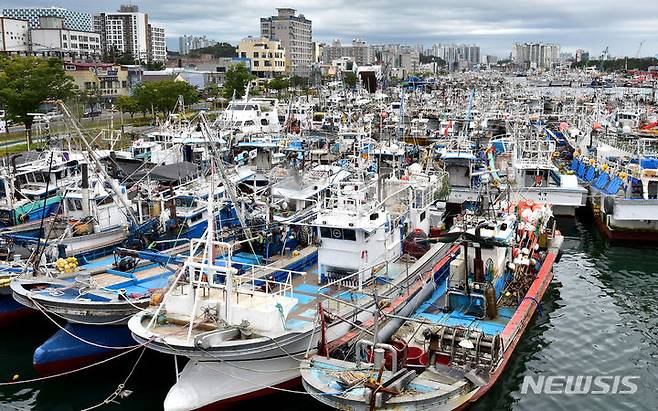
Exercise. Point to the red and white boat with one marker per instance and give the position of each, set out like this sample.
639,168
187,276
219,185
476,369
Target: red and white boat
455,346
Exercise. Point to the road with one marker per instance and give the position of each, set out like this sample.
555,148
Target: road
105,115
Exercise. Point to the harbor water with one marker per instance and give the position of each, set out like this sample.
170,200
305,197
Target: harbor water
598,318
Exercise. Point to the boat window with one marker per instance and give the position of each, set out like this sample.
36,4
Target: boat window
73,204
422,216
338,233
249,123
349,235
263,121
325,232
185,202
105,200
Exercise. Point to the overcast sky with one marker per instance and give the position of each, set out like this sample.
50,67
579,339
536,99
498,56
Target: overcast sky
493,24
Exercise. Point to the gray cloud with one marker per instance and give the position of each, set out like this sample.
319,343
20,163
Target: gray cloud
495,25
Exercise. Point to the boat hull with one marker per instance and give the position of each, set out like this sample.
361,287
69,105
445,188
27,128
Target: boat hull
204,385
86,312
12,311
63,352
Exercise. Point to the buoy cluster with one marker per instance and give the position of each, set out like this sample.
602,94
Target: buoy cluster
66,265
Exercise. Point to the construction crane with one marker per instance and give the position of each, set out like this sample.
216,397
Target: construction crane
637,53
604,56
605,53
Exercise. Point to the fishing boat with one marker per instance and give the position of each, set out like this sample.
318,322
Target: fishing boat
246,333
623,186
30,191
454,347
96,300
464,168
533,175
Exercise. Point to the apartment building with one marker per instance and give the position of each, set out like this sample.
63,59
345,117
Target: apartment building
294,32
129,31
361,52
268,58
535,55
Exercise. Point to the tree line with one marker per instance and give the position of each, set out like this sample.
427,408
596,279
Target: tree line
27,82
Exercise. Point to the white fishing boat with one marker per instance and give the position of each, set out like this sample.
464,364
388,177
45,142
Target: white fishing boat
534,176
247,333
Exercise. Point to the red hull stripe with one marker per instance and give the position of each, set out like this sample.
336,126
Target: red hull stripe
625,235
11,317
56,367
517,325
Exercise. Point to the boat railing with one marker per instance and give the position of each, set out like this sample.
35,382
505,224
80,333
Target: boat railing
257,278
355,281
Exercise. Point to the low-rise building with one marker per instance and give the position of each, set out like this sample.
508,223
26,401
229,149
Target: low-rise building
214,67
14,35
268,58
106,80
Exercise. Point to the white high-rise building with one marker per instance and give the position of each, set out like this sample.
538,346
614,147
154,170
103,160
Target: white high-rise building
189,43
129,31
53,38
295,34
456,53
535,55
157,44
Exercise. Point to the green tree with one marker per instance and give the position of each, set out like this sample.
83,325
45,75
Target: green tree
26,82
277,84
350,79
114,56
424,59
127,104
298,81
218,50
163,95
237,78
153,65
90,98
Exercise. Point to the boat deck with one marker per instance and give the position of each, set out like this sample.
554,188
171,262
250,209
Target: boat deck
432,311
339,298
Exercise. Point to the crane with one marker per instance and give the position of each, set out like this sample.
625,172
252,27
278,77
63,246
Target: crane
637,53
605,53
604,56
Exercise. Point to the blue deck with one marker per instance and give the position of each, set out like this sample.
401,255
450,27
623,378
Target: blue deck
431,310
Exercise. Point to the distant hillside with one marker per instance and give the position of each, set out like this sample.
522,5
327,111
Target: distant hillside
218,50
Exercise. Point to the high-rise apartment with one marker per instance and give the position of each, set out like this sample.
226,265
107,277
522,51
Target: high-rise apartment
535,55
129,31
361,52
189,43
295,34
